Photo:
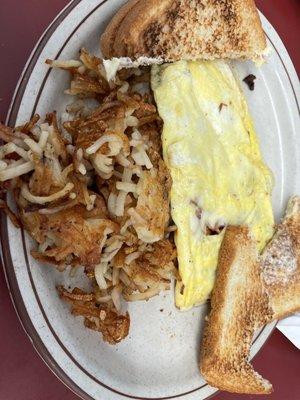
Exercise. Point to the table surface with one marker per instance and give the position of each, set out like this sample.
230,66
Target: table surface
23,375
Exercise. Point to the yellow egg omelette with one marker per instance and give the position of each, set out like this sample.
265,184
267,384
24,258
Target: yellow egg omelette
219,177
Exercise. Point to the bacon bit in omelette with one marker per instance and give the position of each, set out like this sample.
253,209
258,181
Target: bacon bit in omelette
198,211
182,289
222,105
214,231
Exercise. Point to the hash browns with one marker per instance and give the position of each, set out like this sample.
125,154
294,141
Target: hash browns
92,189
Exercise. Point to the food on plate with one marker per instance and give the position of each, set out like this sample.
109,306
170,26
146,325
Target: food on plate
92,190
98,316
250,291
150,168
218,175
185,30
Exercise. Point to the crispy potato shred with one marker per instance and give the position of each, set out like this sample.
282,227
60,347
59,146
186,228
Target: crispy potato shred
99,317
92,190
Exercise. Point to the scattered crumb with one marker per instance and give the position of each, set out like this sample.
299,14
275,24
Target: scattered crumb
249,80
161,310
170,313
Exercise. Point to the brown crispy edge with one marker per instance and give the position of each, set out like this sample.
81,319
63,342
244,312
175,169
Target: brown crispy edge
109,36
253,23
128,36
242,379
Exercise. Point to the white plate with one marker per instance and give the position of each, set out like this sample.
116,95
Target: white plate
159,358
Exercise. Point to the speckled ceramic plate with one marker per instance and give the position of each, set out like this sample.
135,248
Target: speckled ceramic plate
159,358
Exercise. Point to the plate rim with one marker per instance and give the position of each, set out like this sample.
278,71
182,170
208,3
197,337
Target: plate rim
8,267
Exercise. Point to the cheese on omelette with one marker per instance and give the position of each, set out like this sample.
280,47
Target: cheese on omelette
218,174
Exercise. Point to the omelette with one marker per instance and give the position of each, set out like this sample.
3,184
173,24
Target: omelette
218,175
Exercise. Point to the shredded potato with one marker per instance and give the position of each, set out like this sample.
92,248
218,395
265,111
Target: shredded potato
13,171
92,191
45,199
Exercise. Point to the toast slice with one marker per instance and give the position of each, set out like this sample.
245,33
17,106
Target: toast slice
280,264
239,305
185,29
249,292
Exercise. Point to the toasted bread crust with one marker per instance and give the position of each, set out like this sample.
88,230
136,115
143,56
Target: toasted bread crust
281,264
108,38
130,35
239,305
187,29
